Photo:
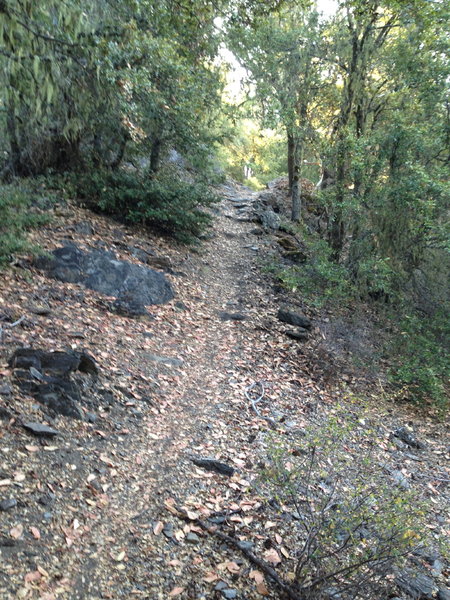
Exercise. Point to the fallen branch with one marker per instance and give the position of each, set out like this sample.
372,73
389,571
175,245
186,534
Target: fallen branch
10,325
254,402
262,564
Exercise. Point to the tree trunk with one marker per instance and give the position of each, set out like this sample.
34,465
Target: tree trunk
15,159
291,158
296,197
155,155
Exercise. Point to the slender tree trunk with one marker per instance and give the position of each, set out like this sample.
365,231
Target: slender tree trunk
155,155
15,159
291,158
296,191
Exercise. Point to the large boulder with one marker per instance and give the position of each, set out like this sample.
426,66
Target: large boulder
101,271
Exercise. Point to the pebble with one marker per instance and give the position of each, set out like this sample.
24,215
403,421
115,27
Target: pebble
8,504
40,430
91,417
192,538
229,593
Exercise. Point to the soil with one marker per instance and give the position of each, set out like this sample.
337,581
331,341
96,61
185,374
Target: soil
94,514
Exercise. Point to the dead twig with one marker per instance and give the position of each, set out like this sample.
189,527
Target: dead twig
254,402
10,326
262,564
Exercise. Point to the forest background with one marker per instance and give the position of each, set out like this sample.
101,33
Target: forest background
125,107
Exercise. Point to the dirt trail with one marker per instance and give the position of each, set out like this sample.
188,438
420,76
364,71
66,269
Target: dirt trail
202,413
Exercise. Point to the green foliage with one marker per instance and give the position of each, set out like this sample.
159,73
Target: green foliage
351,526
319,280
17,216
175,207
422,360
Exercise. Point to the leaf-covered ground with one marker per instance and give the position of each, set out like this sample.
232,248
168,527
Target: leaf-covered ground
92,512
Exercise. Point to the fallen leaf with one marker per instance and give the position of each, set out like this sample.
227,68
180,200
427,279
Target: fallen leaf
16,532
257,576
32,448
19,476
4,482
272,556
269,524
261,588
159,526
35,533
32,576
210,577
42,571
176,591
284,552
233,567
120,556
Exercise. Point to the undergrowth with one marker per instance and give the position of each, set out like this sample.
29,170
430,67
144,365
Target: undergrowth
351,527
173,206
20,210
418,348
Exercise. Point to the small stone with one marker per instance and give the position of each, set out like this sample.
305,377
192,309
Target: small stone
40,430
168,530
299,334
8,504
408,437
400,479
211,464
192,538
221,585
5,415
246,545
91,417
292,317
229,593
5,390
41,310
48,516
226,316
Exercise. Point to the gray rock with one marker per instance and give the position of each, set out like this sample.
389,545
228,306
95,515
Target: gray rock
84,228
245,545
229,593
298,334
40,430
293,317
8,504
101,271
91,417
5,390
210,464
192,538
226,316
168,530
270,220
408,438
400,479
443,594
5,415
416,585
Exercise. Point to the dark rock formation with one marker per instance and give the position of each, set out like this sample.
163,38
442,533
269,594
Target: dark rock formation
101,271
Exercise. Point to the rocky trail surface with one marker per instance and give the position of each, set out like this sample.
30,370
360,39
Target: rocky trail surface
174,425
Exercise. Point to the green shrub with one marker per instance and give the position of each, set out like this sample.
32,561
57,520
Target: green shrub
350,527
319,280
18,213
421,361
173,206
